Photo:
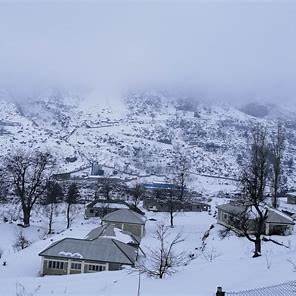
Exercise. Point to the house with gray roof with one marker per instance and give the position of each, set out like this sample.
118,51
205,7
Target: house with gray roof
277,223
164,205
284,289
102,207
109,230
70,256
127,220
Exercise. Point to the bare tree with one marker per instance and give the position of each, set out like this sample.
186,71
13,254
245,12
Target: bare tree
136,192
172,203
28,173
50,213
105,187
4,184
163,260
71,198
253,181
181,174
54,192
277,153
21,242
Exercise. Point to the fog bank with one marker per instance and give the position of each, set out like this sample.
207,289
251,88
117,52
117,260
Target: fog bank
220,50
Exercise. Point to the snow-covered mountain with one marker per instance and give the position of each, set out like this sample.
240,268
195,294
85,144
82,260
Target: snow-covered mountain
141,133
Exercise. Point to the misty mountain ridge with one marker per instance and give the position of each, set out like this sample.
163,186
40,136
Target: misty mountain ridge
141,133
270,110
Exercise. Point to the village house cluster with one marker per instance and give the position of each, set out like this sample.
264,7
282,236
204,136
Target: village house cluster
111,246
115,243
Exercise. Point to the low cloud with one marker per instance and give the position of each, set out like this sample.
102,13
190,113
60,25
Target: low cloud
220,50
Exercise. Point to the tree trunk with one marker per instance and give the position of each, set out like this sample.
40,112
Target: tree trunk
172,219
27,215
257,252
68,216
50,219
182,186
275,192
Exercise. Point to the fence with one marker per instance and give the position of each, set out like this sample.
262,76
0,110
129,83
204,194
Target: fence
285,289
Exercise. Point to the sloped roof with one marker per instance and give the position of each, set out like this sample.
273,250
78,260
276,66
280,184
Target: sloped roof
275,216
291,194
232,208
109,230
101,249
159,185
286,289
124,216
104,230
176,201
99,203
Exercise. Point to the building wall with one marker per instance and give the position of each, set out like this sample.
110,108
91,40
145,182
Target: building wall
135,229
52,271
98,212
165,207
67,266
115,266
278,229
291,199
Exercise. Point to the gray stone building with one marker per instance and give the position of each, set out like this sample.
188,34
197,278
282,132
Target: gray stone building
70,256
277,223
127,220
162,205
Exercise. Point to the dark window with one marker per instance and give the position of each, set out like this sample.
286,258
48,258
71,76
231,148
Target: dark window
56,264
75,265
96,267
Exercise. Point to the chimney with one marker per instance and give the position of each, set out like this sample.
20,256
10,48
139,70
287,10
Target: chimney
220,292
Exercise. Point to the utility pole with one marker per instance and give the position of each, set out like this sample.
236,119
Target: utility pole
139,284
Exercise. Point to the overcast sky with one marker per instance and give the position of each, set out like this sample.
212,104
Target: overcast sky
225,50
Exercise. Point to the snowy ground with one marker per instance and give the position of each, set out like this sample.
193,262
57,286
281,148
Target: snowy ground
226,262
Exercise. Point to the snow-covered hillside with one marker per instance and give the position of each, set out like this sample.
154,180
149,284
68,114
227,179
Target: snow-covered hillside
139,134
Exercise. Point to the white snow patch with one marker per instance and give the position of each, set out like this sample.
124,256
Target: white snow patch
69,254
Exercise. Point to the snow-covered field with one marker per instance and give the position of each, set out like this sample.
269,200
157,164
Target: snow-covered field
226,262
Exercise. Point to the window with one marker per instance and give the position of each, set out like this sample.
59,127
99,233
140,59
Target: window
56,264
91,211
93,267
76,266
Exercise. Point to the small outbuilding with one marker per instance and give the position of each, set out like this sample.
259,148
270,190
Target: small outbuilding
127,220
163,205
291,198
277,223
102,207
